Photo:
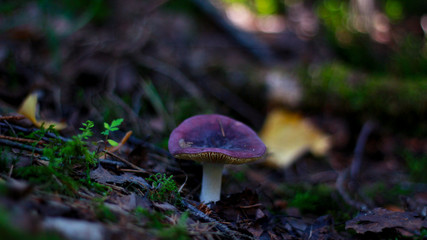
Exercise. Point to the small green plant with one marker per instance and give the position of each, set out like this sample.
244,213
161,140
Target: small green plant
65,155
111,128
163,189
86,130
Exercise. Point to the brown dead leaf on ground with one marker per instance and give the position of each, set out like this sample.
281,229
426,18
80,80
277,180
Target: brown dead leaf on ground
101,175
378,220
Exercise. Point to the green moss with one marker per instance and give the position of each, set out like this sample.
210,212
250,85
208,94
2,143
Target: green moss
65,158
385,194
48,179
312,200
316,199
163,189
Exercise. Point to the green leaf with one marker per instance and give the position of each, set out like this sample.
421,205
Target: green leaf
114,129
106,125
116,123
112,142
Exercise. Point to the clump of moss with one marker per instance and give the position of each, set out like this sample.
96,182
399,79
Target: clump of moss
163,189
318,199
63,157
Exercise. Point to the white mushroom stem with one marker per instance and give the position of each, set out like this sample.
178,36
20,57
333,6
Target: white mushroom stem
211,183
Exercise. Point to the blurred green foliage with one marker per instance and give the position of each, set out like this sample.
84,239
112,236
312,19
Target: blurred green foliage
75,15
417,166
394,9
404,56
385,97
384,194
261,7
319,199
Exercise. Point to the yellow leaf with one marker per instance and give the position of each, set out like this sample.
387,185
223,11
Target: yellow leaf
288,136
56,125
28,109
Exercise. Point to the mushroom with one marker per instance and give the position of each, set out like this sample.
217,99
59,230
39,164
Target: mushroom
215,140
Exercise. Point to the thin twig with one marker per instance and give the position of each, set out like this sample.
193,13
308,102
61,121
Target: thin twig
13,131
185,181
28,131
17,139
20,146
354,168
13,118
111,162
342,175
11,170
126,161
358,150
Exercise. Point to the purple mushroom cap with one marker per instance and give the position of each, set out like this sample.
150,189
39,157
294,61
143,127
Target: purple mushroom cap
217,139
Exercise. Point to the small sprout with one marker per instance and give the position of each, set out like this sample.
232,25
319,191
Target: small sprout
86,131
111,128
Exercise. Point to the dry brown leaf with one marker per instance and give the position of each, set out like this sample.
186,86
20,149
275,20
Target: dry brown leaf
28,109
288,135
380,219
101,175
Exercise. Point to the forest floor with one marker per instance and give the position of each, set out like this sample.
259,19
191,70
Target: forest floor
153,67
